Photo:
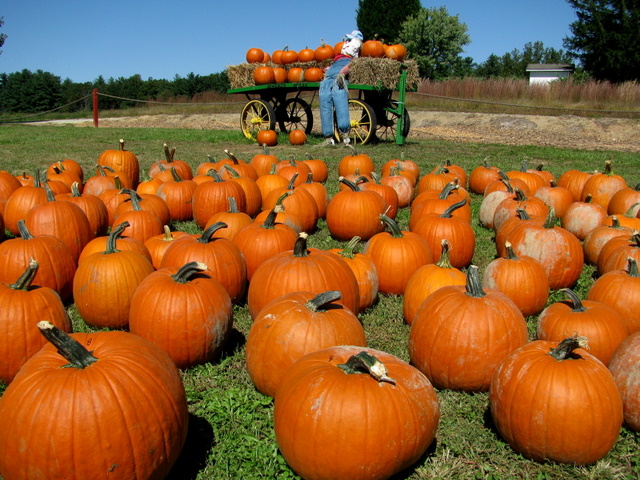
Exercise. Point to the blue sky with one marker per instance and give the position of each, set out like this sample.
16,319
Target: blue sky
83,39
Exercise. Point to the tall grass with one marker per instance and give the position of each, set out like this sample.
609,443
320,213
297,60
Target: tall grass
589,98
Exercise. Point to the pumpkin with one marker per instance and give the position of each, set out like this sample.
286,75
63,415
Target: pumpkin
183,168
297,137
574,180
600,323
318,192
300,203
386,409
481,176
318,168
57,267
603,186
625,200
295,75
262,162
177,195
306,55
582,217
158,244
222,257
267,137
252,193
288,57
254,55
261,241
556,402
323,52
555,196
396,51
372,48
355,213
99,244
313,74
302,269
624,366
522,279
387,192
397,255
364,269
360,162
402,184
213,197
23,307
123,381
599,236
280,74
528,176
521,220
22,200
122,160
620,289
293,325
183,311
264,75
616,252
105,282
427,279
508,207
403,165
93,208
142,224
436,202
460,334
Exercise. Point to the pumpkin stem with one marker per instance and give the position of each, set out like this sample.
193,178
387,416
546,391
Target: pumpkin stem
449,211
393,226
632,267
69,348
24,282
121,145
270,221
174,175
320,301
510,254
448,188
50,195
208,233
364,362
168,154
444,261
75,189
474,286
352,185
550,221
233,205
565,348
575,300
168,236
608,168
300,247
113,236
348,250
187,271
522,214
292,182
24,232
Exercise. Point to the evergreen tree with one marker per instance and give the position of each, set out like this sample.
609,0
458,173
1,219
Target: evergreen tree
3,36
514,63
383,18
606,38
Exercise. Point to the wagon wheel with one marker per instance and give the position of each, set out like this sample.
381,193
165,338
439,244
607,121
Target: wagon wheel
363,122
257,115
295,114
386,129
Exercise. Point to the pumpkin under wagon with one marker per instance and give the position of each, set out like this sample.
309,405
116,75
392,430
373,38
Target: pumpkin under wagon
374,114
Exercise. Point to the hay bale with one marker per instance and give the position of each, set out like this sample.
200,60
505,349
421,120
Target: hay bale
380,72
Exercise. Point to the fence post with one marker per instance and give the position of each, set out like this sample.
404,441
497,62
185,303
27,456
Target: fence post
95,107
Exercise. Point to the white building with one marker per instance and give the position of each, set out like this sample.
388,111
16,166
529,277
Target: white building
541,73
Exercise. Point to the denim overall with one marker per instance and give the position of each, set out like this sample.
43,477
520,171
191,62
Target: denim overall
333,97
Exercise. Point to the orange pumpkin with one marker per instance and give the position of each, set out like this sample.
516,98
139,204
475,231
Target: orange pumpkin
313,74
297,137
263,75
267,137
255,55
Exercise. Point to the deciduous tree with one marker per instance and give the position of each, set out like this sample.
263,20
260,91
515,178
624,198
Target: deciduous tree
383,18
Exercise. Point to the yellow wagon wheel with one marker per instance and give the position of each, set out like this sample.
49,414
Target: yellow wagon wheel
257,115
363,122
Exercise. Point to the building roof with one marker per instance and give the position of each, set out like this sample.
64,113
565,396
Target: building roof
550,67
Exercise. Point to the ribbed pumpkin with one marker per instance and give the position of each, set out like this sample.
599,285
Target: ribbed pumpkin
490,202
302,269
222,257
508,208
556,402
212,197
436,202
555,196
355,212
574,180
122,160
582,217
24,306
233,218
602,186
128,417
259,242
397,255
427,279
355,161
522,279
389,195
105,282
625,368
300,203
183,168
291,326
364,269
142,224
252,193
600,323
460,335
99,244
624,200
178,197
620,289
596,239
56,265
616,252
319,194
185,312
158,244
387,411
481,176
22,200
92,206
262,162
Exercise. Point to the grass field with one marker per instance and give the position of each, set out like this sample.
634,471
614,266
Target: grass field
230,433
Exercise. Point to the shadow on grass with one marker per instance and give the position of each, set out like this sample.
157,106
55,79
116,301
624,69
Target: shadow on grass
195,453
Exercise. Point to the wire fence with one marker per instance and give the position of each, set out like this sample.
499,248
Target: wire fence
26,117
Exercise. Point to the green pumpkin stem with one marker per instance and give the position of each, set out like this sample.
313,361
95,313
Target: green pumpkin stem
448,188
187,271
320,301
550,221
474,286
25,280
208,233
75,190
444,261
174,175
348,250
575,300
233,205
69,348
352,185
392,225
168,154
632,267
364,362
510,254
24,232
565,348
449,211
115,233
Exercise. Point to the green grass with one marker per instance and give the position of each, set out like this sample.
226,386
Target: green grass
231,434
